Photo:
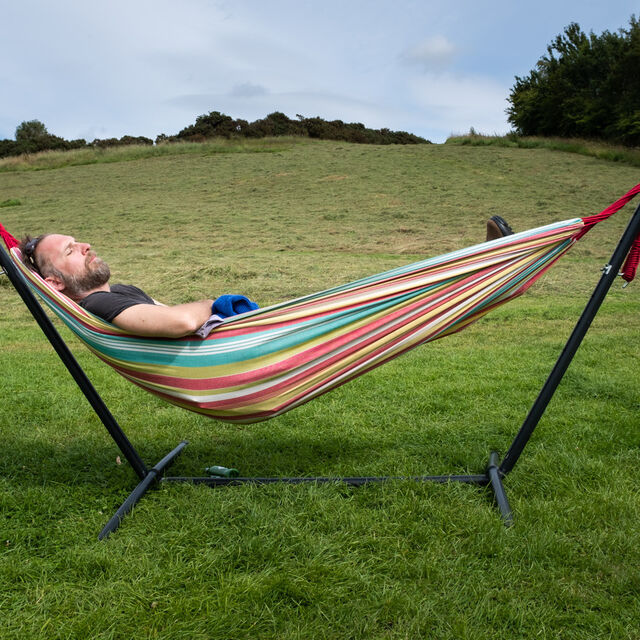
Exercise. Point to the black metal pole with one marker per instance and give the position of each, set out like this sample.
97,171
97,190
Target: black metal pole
609,273
73,367
479,479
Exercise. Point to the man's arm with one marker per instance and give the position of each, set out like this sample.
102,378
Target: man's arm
164,322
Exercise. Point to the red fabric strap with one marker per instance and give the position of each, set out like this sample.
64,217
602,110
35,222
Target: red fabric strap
631,263
612,208
9,240
633,258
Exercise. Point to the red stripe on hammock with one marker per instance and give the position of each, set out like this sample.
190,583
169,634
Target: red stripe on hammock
381,327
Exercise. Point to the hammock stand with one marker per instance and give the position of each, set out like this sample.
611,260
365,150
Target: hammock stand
495,471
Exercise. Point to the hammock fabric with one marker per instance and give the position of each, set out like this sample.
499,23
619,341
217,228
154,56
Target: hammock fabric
260,364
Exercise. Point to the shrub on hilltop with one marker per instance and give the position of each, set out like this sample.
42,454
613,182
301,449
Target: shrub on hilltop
219,125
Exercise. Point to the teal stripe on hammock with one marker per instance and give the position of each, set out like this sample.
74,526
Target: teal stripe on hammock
506,289
296,335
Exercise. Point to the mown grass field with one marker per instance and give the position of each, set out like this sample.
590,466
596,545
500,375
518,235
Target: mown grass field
280,219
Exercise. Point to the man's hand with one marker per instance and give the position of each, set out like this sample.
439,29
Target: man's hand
164,322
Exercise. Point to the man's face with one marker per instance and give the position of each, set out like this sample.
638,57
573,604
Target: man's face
79,267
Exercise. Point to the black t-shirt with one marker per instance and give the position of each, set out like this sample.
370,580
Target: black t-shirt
108,304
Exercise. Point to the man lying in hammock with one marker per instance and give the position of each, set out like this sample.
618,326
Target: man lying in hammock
75,270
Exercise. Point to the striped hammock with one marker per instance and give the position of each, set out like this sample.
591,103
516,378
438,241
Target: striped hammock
260,364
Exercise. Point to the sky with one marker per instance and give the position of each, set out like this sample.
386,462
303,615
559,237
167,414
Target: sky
107,68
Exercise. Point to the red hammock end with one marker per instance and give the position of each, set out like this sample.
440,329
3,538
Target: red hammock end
8,239
633,258
631,263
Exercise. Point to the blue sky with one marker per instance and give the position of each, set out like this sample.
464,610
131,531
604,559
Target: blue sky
97,69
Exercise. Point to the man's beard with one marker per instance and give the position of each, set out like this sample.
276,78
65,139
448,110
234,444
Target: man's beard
96,274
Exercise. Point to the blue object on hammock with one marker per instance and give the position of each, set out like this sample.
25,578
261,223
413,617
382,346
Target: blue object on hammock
232,305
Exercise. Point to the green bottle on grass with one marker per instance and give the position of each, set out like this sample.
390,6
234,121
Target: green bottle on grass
222,472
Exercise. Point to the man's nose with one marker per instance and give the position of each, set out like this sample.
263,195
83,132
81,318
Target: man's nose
84,247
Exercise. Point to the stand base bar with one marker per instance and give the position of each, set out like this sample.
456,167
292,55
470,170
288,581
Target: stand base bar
352,481
492,478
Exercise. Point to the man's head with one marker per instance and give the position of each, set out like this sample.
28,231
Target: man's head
70,267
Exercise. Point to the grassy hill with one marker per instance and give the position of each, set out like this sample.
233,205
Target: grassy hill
277,219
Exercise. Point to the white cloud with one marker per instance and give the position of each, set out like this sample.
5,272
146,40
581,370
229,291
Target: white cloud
432,54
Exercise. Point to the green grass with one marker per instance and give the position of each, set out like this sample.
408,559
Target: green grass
44,160
591,148
400,560
10,202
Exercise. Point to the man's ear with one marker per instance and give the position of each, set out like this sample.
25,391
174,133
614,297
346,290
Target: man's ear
56,283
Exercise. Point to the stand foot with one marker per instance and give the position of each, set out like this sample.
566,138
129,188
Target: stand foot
495,478
152,476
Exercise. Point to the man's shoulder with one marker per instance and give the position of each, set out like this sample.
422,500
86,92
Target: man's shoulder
125,289
108,304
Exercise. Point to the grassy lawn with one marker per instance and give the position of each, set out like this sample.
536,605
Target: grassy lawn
279,219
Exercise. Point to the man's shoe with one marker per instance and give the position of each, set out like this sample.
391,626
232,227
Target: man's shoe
497,227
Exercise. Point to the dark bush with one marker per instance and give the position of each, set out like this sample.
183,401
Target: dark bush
217,124
122,142
212,125
8,148
135,140
275,124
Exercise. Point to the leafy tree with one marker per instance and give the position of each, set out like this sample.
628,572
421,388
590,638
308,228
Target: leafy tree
32,132
586,86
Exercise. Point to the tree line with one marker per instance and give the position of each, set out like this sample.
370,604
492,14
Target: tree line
586,86
32,136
